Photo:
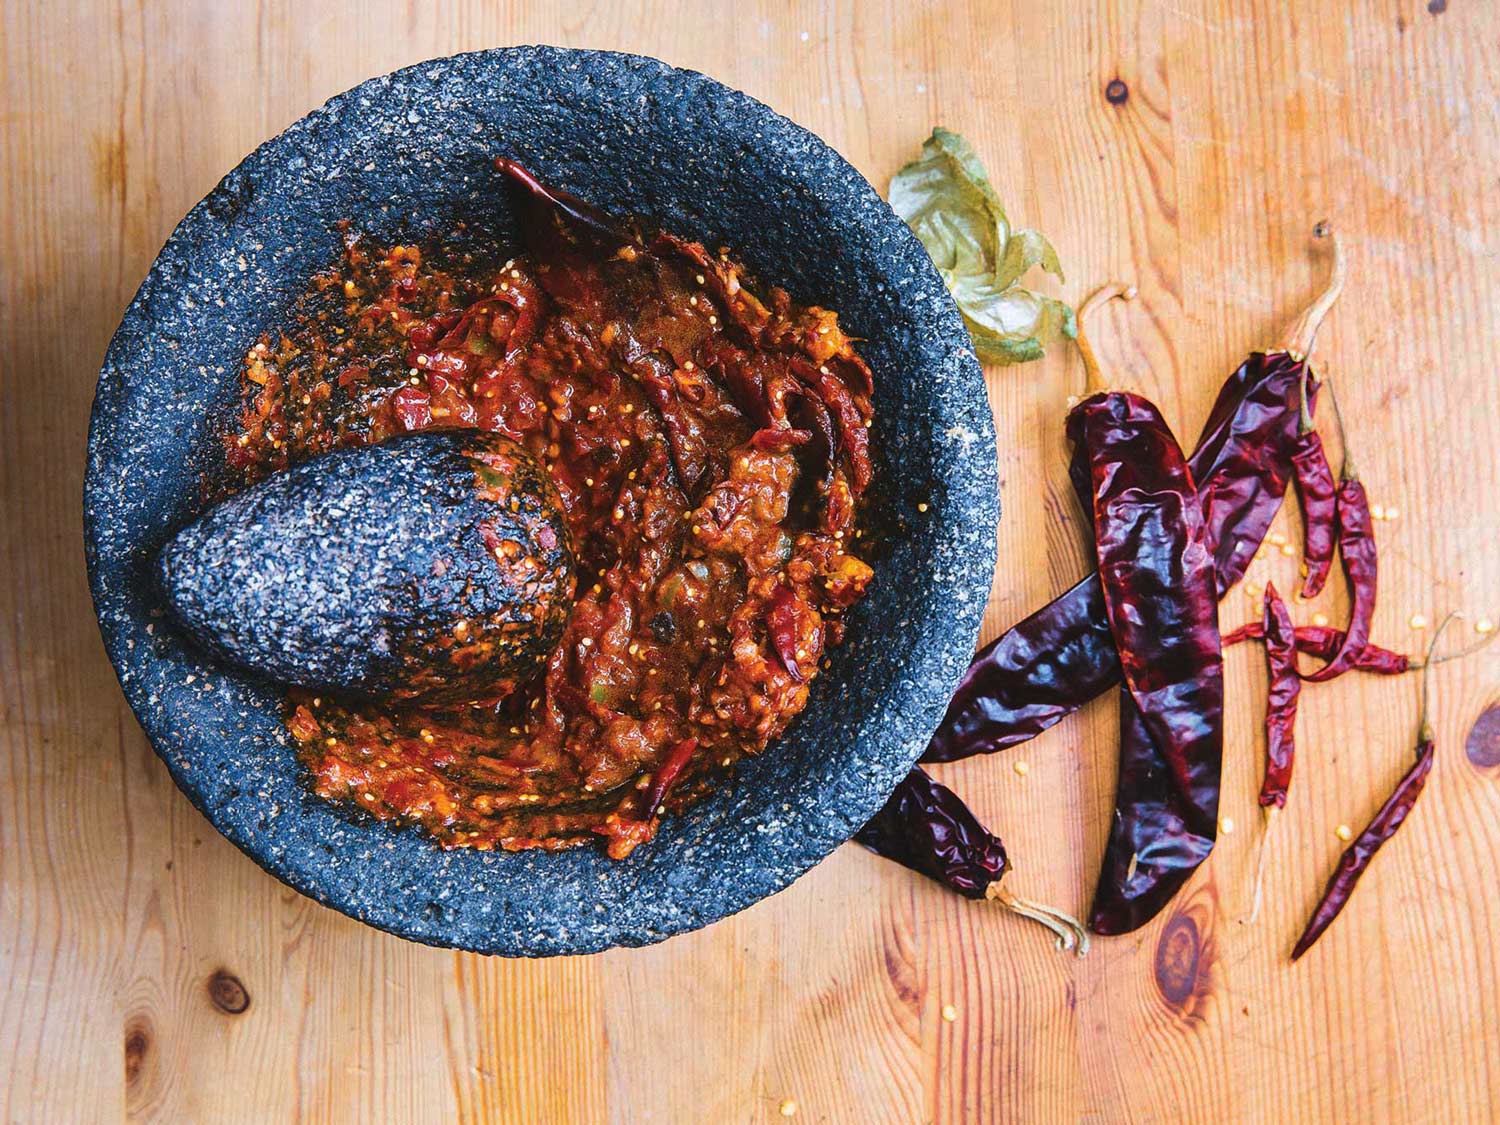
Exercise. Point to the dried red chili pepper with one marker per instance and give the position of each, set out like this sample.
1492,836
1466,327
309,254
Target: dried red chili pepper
1317,493
1283,689
1310,468
1322,641
1357,551
1057,659
1387,820
926,826
1154,842
1284,686
1161,599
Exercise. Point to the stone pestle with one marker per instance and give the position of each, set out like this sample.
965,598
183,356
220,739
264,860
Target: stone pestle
434,567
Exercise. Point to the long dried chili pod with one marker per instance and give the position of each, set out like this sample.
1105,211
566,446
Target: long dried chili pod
1157,573
1058,658
1393,813
1316,490
1322,641
1383,825
1283,690
1284,686
1318,494
926,826
1357,552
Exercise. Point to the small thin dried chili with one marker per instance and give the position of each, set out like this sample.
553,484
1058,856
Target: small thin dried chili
1322,641
1057,659
1357,551
1284,686
1157,573
926,826
1310,469
1283,690
1385,823
1317,493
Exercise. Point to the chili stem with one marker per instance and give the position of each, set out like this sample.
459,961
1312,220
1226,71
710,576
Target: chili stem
1424,730
1070,932
1304,408
1093,380
1347,472
1304,333
1467,650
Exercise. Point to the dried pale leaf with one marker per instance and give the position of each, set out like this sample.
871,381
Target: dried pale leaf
947,200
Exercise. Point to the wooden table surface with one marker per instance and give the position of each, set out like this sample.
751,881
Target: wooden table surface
128,926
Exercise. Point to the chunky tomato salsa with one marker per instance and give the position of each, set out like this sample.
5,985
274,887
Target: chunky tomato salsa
709,441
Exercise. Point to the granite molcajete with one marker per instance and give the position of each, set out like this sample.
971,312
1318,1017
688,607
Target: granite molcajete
410,154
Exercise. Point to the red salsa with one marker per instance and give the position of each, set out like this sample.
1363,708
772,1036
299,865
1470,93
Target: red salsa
709,442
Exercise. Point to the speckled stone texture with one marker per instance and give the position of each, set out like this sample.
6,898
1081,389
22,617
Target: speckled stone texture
367,570
410,154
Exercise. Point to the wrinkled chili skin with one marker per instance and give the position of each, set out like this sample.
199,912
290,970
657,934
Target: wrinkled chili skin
1159,585
1057,659
926,826
1361,852
1157,574
1317,494
1242,463
1357,550
1284,688
1322,641
1154,842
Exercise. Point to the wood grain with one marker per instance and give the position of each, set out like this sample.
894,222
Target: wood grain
1245,123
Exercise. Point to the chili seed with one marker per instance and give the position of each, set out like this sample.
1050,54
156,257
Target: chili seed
1484,625
1021,768
1320,619
1344,832
788,1108
950,1013
1226,825
1417,621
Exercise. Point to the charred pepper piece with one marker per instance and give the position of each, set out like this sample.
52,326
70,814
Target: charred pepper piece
434,566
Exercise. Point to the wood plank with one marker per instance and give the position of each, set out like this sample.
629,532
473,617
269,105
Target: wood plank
1244,124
